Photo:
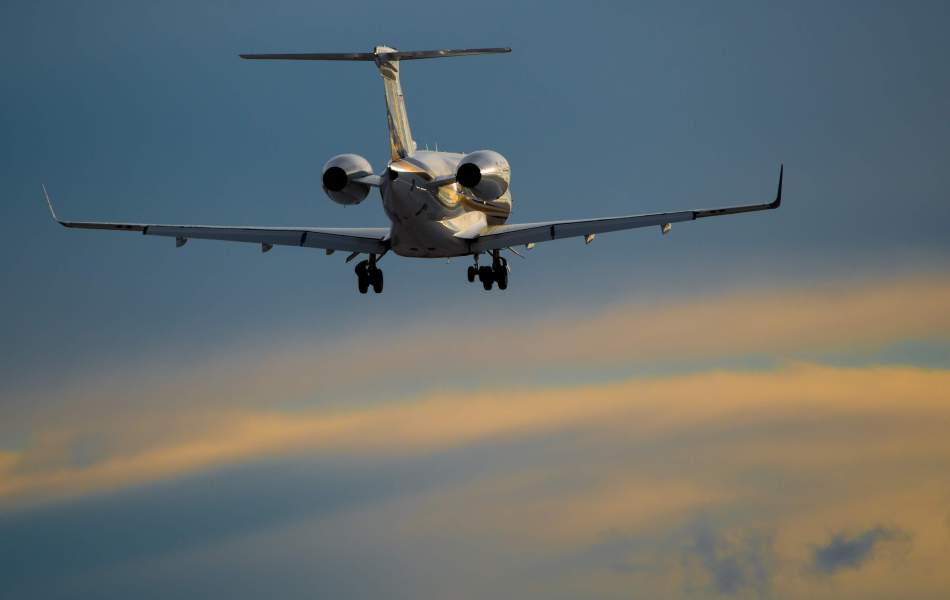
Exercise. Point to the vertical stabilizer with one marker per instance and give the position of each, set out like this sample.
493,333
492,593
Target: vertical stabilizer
401,143
387,61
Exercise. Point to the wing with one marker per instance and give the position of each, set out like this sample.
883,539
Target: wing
374,240
503,236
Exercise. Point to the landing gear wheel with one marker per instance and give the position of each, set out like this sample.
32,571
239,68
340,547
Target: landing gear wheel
472,273
486,276
376,278
362,276
501,276
500,272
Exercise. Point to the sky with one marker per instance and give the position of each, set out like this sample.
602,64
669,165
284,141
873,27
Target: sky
749,407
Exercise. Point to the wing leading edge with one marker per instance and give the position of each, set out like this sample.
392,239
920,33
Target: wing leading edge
503,236
370,240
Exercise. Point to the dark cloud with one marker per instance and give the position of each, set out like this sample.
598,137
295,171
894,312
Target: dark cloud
844,552
733,564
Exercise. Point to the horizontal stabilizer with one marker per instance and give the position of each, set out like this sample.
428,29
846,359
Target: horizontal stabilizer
387,54
312,56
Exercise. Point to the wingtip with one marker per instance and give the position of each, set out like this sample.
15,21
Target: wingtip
778,195
49,203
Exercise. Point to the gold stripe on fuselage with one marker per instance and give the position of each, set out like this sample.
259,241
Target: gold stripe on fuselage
450,197
409,165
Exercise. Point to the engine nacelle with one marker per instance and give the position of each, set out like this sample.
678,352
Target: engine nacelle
338,176
485,173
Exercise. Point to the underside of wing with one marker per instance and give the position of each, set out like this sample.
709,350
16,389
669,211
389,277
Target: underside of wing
370,240
503,236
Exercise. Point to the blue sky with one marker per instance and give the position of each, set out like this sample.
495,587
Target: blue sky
143,112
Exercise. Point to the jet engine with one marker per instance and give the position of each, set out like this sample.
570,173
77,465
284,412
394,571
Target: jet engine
485,173
340,175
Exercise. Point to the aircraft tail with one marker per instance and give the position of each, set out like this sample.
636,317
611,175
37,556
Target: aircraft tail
387,61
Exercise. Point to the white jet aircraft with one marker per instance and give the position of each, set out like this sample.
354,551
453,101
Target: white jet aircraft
440,204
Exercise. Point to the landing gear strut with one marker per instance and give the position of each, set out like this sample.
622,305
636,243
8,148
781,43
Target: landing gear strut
368,274
496,273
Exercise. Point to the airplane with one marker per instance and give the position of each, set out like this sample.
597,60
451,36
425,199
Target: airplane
439,204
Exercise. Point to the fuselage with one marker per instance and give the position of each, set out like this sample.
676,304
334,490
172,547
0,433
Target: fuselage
434,223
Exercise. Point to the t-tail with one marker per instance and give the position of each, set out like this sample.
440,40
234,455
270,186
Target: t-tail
387,61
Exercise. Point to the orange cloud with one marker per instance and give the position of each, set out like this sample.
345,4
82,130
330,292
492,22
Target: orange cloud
643,407
800,452
773,323
804,449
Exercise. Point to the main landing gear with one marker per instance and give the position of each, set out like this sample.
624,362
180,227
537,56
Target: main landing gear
496,273
368,274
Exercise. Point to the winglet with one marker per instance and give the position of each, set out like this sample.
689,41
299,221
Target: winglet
50,204
778,196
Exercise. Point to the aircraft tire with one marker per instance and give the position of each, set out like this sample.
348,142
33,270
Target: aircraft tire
502,279
500,274
362,276
376,277
486,276
472,273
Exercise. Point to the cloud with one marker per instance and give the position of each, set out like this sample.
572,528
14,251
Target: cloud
447,419
732,565
636,335
537,470
441,420
850,552
718,482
